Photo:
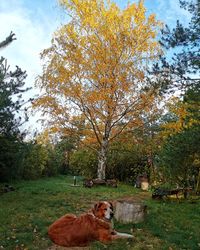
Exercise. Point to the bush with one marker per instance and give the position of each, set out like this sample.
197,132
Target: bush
10,158
126,162
84,162
34,162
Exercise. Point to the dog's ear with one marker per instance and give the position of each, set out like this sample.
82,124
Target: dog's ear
111,205
97,206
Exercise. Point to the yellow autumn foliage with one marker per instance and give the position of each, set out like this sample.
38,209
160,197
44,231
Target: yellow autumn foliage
183,117
96,67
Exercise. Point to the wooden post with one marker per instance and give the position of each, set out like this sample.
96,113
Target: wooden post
130,211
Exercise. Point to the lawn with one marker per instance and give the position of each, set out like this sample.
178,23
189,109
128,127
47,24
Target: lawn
26,213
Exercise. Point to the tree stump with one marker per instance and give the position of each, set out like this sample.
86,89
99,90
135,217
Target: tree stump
144,185
130,211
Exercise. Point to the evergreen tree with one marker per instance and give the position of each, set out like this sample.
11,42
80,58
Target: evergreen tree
8,40
183,69
11,104
180,154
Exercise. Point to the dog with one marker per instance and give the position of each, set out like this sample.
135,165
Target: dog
73,231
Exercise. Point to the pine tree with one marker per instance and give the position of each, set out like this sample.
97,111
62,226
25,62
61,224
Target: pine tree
11,84
183,69
11,104
8,40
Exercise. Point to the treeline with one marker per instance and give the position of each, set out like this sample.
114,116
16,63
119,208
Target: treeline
28,160
32,160
173,160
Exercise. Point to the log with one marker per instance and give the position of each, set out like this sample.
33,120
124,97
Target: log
130,211
99,182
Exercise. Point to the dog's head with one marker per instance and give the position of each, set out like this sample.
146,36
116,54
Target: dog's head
103,210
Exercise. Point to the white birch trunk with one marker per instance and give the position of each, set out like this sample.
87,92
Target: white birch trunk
101,171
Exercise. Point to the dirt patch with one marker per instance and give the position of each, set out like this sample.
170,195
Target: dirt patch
55,247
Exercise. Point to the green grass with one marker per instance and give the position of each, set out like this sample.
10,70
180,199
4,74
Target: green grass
26,213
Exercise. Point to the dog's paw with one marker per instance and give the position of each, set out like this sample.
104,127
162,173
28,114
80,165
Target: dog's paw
124,235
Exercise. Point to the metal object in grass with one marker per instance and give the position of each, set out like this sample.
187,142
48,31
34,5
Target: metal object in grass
74,182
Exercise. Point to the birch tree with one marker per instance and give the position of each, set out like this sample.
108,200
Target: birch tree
94,72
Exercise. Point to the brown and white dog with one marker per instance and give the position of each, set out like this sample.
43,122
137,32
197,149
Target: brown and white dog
71,231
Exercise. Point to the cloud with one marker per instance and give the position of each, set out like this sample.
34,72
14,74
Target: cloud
33,34
33,27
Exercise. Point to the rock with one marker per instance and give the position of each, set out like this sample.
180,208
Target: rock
7,188
88,183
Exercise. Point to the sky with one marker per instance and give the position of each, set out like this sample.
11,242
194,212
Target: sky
35,21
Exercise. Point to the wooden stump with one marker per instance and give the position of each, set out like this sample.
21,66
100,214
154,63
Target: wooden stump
144,186
130,211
